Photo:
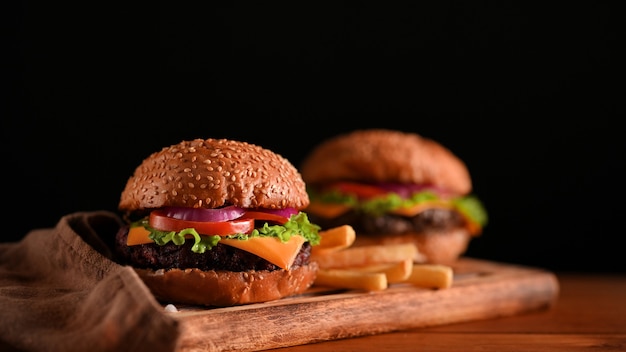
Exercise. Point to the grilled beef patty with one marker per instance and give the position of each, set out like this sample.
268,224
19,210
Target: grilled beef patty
369,225
220,257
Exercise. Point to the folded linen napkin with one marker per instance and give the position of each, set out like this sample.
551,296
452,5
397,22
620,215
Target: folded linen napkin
60,290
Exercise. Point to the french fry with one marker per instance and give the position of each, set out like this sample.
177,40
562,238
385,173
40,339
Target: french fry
335,239
395,272
373,267
365,255
431,276
351,279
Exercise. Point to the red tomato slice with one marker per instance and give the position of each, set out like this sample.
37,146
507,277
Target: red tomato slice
360,190
160,221
260,215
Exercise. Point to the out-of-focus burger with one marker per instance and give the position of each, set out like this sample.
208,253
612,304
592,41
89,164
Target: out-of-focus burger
217,222
394,187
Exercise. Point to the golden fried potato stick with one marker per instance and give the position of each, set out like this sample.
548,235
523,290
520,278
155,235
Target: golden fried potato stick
365,255
335,239
395,272
351,279
431,276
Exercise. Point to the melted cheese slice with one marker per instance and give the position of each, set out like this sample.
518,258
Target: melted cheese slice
138,235
421,206
327,210
269,248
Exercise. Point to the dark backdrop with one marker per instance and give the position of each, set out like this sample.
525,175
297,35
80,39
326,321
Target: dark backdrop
529,96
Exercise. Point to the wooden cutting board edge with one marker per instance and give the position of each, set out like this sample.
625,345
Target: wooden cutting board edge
481,290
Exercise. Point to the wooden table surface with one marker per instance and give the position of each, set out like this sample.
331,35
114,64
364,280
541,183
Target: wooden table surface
589,315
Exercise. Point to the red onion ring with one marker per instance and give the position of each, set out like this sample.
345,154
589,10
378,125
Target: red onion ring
201,214
406,190
286,213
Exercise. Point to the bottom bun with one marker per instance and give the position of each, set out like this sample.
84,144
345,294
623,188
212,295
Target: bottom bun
435,247
226,288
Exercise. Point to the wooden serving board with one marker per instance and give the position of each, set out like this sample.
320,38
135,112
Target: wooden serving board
481,290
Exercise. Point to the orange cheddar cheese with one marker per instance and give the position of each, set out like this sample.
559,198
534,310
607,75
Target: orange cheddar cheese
270,248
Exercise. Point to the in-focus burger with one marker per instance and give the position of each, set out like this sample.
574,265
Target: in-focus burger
394,187
217,222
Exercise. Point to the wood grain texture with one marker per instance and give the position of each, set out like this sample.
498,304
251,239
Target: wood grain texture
590,315
481,290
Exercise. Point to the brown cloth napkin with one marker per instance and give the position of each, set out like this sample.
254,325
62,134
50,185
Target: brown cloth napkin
60,290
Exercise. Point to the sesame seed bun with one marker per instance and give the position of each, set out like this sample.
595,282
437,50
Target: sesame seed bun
211,173
379,155
387,156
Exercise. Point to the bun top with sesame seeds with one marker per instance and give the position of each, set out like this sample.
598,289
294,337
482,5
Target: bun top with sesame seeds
210,173
380,155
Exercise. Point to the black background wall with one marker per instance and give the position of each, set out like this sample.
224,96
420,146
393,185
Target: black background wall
530,97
